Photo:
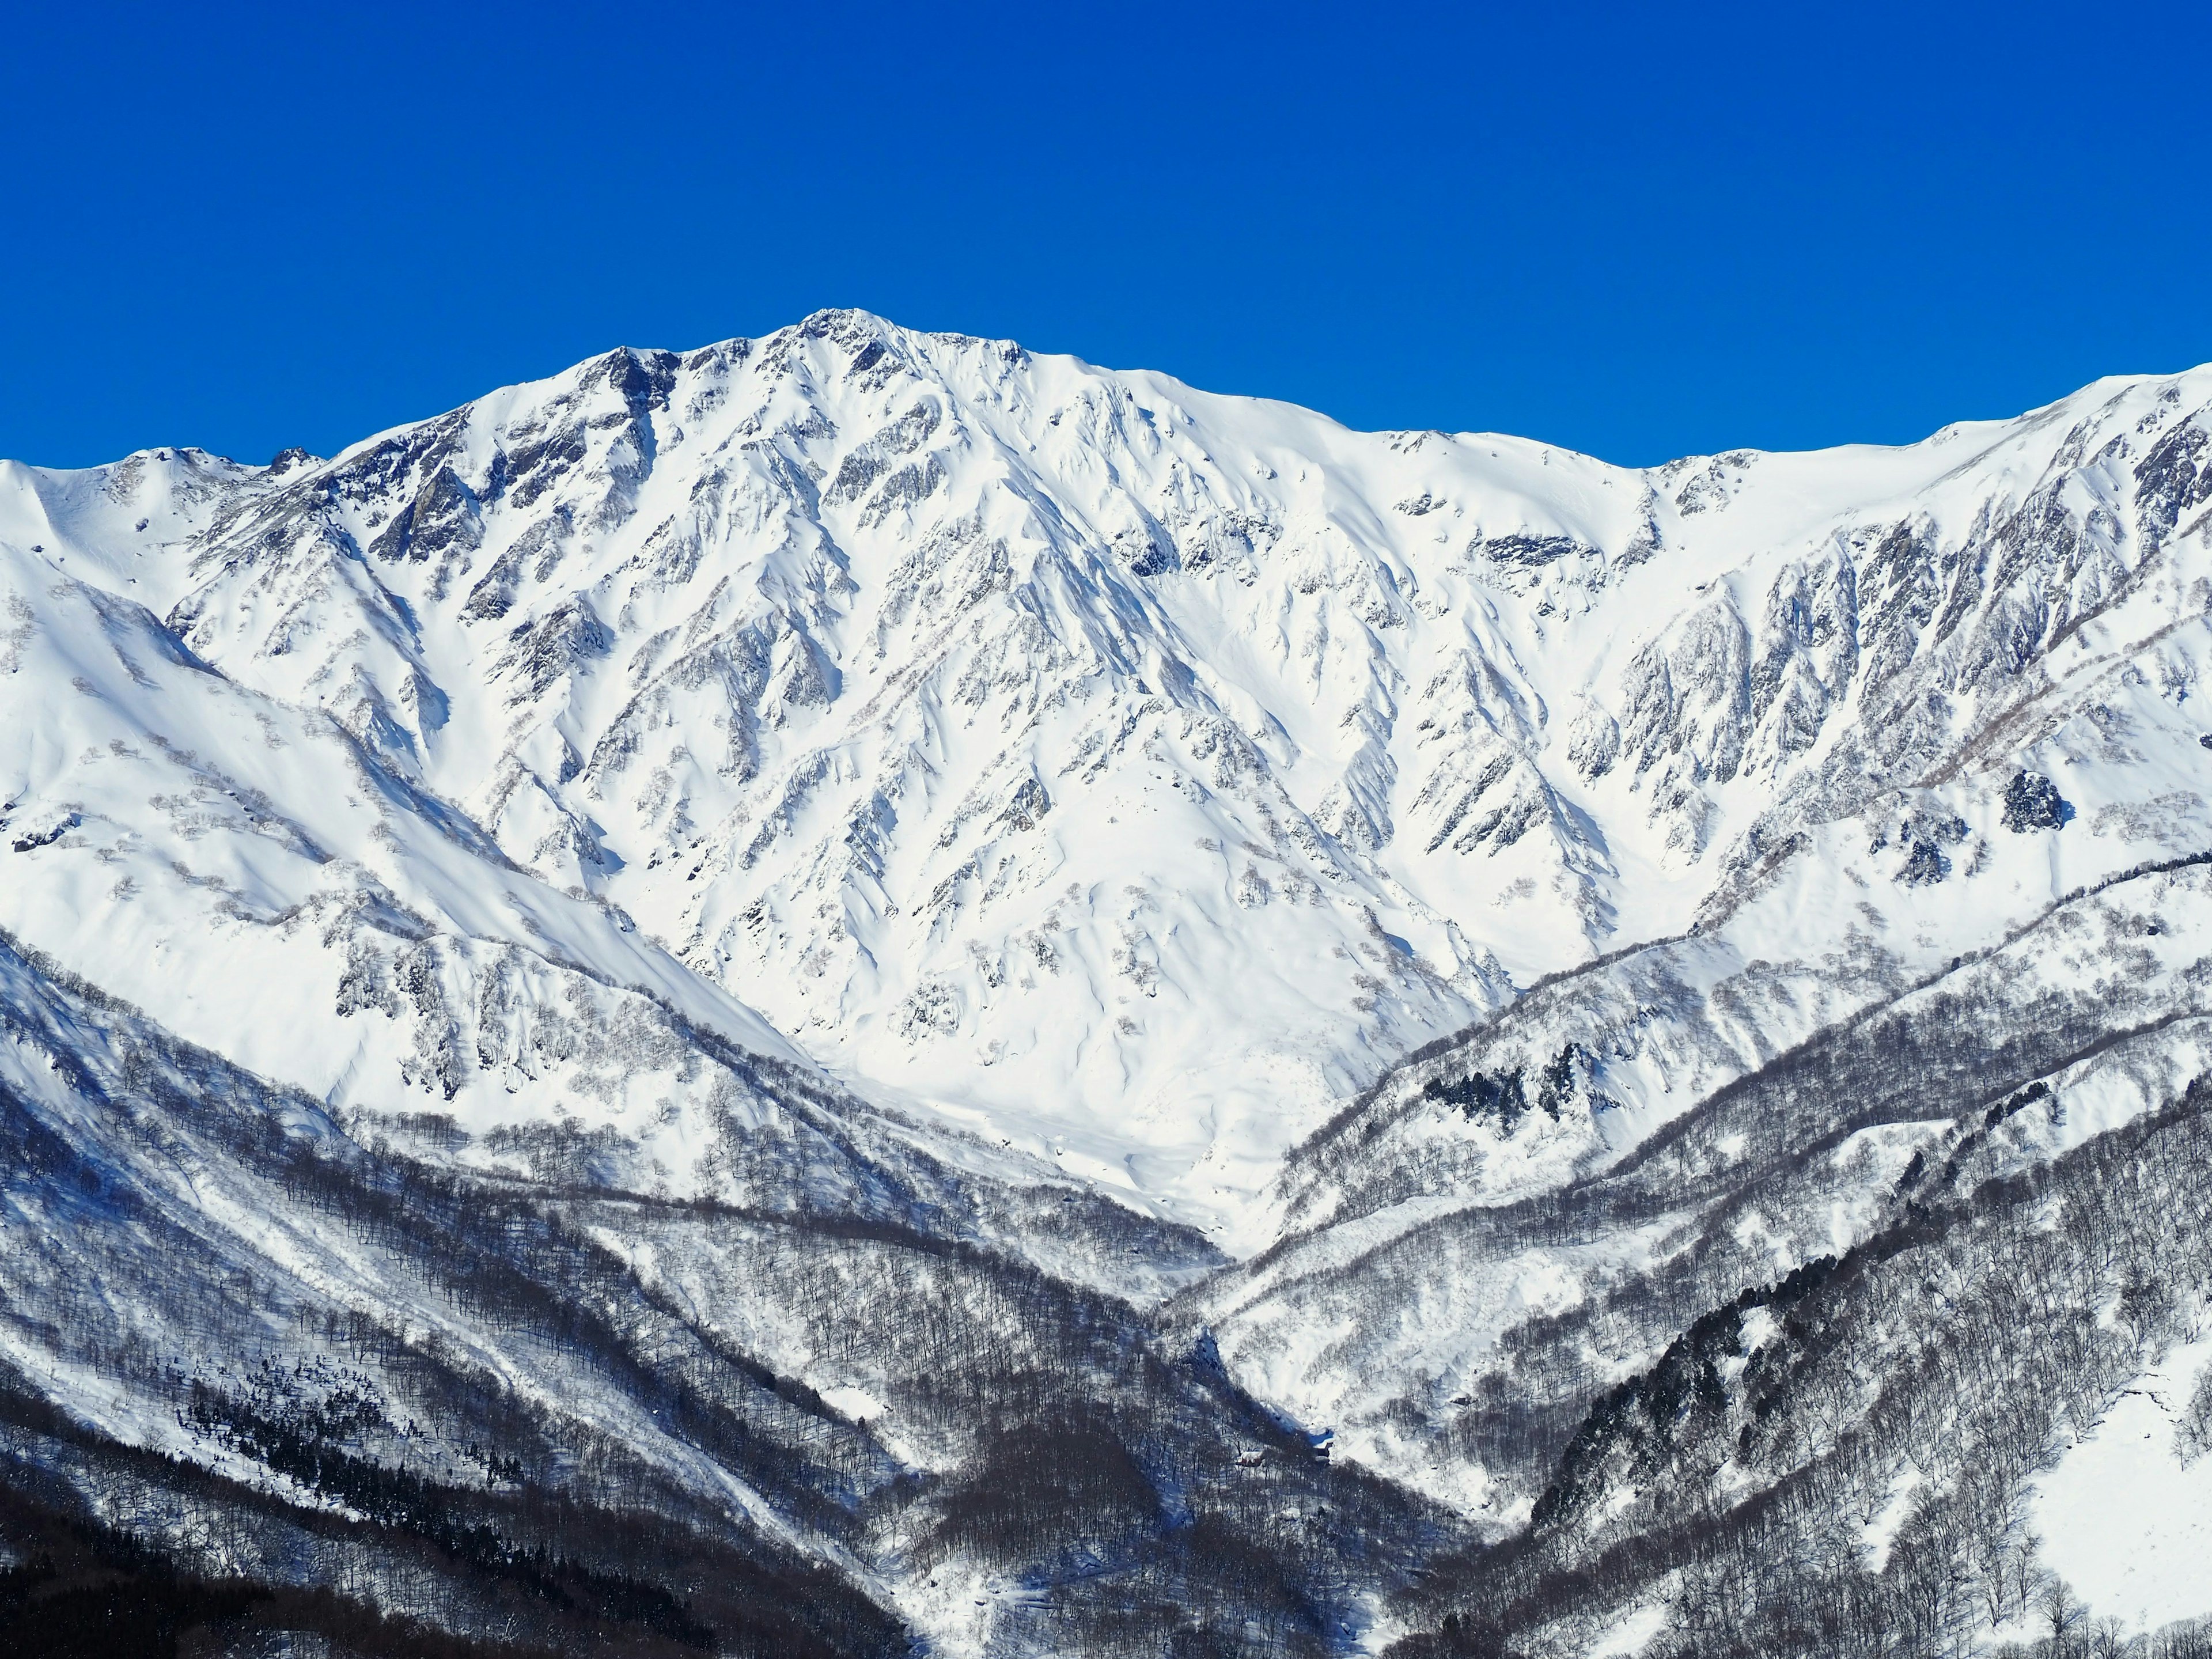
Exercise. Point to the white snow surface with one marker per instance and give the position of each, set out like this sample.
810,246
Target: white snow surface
1120,775
2124,1520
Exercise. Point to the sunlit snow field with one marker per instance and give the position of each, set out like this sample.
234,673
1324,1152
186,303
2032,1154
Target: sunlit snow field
2122,1520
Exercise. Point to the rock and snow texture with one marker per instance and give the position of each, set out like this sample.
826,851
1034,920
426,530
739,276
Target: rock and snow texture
879,797
1135,773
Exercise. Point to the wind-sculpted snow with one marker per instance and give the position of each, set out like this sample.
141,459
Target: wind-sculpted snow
1072,1016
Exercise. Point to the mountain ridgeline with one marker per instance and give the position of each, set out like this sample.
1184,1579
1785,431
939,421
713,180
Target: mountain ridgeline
866,994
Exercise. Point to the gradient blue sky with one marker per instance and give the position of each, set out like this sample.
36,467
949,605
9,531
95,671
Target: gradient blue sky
1638,232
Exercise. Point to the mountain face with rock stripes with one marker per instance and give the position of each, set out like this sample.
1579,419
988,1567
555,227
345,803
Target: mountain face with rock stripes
864,991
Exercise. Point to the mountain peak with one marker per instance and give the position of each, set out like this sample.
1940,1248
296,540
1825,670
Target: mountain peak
908,975
953,706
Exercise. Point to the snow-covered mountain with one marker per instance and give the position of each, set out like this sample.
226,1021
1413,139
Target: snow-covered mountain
1391,928
1006,730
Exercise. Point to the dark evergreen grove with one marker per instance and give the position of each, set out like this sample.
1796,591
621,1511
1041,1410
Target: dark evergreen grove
2031,801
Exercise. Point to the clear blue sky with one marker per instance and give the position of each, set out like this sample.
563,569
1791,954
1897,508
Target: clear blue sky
1638,232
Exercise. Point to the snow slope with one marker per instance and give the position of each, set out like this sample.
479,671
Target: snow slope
880,841
2126,1518
1006,730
